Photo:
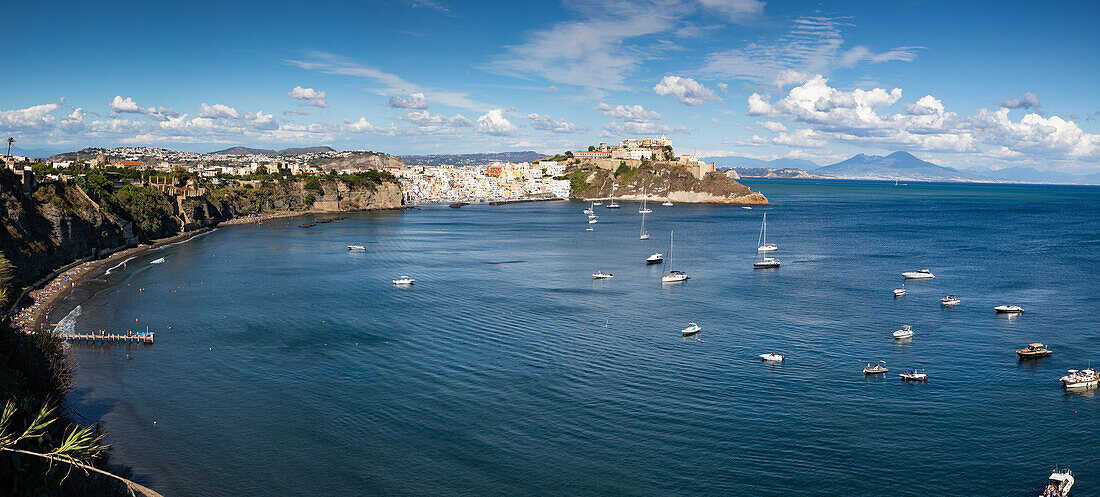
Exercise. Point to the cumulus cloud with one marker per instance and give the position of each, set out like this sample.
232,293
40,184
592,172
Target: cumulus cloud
362,126
773,126
632,113
544,122
34,117
129,106
217,111
800,138
494,123
685,90
309,95
414,101
437,124
926,106
1027,100
295,112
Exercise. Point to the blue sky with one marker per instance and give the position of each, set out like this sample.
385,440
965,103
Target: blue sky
996,85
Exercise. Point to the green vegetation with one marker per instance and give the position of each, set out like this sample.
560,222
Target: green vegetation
577,181
147,208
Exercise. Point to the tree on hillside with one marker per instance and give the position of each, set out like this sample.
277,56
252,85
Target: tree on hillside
10,141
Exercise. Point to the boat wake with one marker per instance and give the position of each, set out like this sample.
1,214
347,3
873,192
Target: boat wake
68,323
158,261
116,266
187,240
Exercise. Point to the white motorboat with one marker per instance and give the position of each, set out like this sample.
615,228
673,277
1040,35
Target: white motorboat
691,329
899,292
667,203
597,203
1058,484
588,211
950,300
600,275
771,247
876,369
645,209
922,274
1083,379
771,357
764,246
356,247
655,258
642,233
746,207
404,280
906,331
765,263
672,276
589,229
592,216
612,204
913,375
1009,309
593,221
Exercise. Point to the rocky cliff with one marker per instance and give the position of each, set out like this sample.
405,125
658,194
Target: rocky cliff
659,180
361,161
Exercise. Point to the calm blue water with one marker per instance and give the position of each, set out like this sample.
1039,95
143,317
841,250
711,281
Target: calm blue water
293,367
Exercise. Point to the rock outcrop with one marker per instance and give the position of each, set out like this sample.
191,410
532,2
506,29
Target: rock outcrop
659,181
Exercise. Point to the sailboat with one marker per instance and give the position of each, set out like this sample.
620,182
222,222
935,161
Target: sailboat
764,245
644,210
765,262
612,205
643,234
597,201
672,276
589,210
668,201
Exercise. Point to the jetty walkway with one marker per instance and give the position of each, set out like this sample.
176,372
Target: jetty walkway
104,338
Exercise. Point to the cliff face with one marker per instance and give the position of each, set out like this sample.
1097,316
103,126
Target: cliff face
660,180
361,161
60,223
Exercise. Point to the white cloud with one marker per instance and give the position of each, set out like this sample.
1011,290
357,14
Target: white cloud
312,97
926,106
414,101
724,87
634,113
640,128
735,10
813,45
773,126
295,112
129,106
218,110
544,122
494,123
789,77
362,126
685,90
437,124
37,116
800,138
1027,100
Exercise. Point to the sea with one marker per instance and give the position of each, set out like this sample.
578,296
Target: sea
285,364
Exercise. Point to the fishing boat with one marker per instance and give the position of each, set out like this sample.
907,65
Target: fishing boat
404,280
771,357
612,204
922,274
645,209
655,259
906,331
764,246
1009,309
600,275
691,329
876,369
643,234
672,276
1084,379
950,300
913,375
356,247
899,292
1058,483
1034,351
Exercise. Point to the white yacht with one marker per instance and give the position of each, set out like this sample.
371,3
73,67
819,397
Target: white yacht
746,207
593,221
906,331
667,203
655,258
950,300
922,274
913,375
771,357
404,280
643,234
672,276
1058,484
876,369
899,292
589,210
691,329
1009,309
764,245
765,263
645,209
356,247
600,275
1083,379
612,204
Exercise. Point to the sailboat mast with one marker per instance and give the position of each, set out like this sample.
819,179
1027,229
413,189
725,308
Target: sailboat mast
670,235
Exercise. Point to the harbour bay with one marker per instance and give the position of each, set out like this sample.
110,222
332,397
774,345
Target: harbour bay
294,367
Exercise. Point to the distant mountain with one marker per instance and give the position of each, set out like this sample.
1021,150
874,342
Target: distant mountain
736,161
25,152
1032,175
470,159
264,151
896,166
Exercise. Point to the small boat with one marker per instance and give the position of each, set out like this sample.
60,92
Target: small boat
876,369
746,207
899,292
1034,351
356,247
906,331
597,203
593,221
645,209
643,234
771,357
1009,309
667,203
1058,483
589,210
592,216
655,259
612,204
1083,379
771,247
765,263
922,274
600,275
764,246
950,300
589,229
672,276
913,375
404,280
691,329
